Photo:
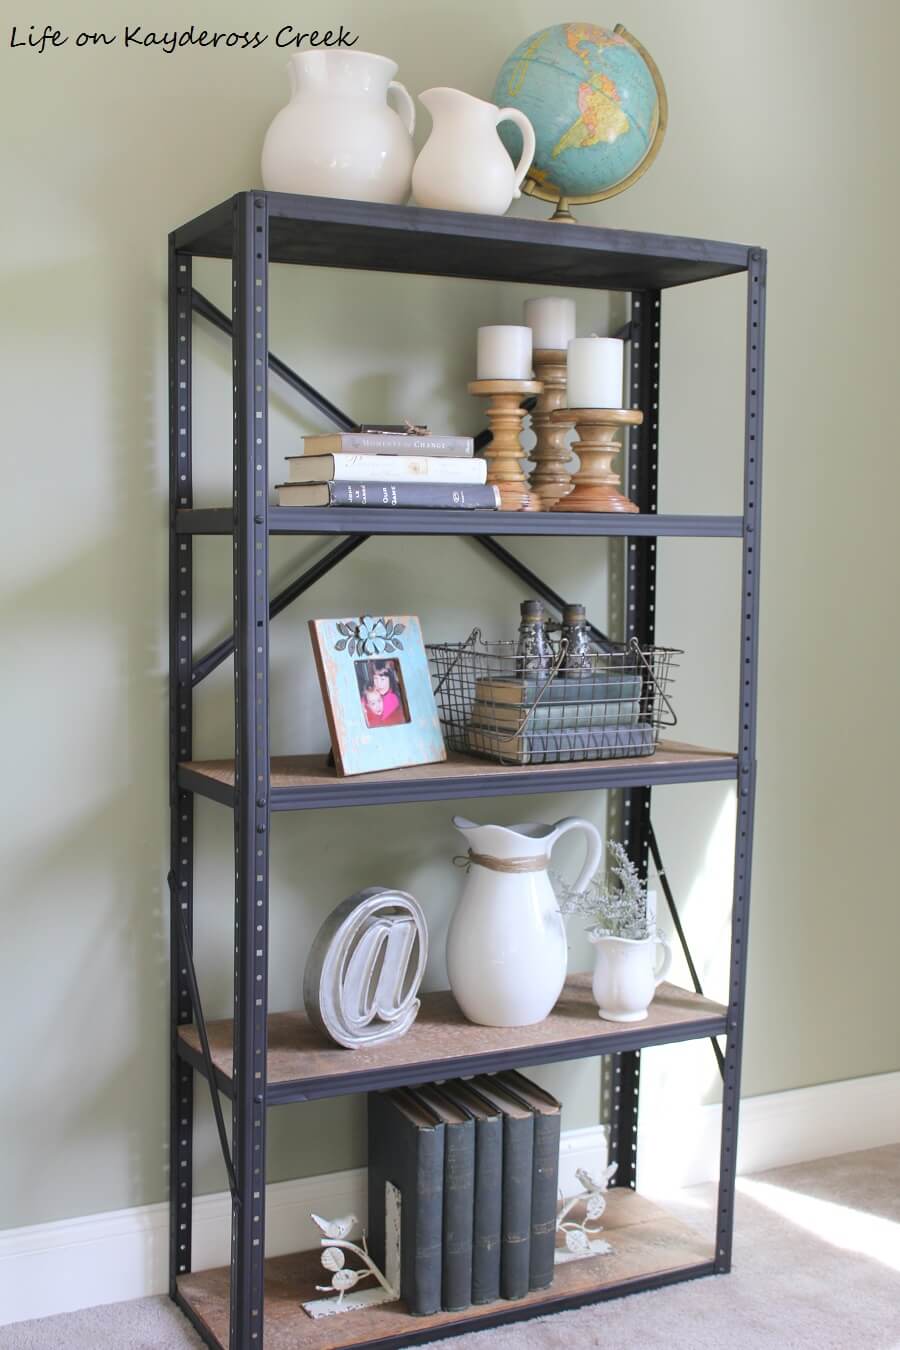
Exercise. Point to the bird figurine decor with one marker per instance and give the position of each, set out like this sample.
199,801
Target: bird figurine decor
335,1228
335,1242
581,1238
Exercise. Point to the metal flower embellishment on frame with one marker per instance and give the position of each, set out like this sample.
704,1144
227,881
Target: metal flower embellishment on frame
370,637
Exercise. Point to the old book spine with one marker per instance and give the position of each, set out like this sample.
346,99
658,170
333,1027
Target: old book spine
412,1158
386,443
429,495
488,1211
515,1251
459,1197
420,1253
566,744
347,468
545,1183
546,716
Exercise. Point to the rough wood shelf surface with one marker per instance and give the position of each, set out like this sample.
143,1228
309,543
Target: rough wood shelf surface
646,1242
308,781
441,1043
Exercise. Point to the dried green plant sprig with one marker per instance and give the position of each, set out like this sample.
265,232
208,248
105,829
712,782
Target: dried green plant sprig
614,902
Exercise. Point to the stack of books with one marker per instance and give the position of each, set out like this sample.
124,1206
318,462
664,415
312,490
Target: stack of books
529,721
388,469
476,1162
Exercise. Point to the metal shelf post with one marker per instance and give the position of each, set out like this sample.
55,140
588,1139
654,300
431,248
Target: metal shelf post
250,273
640,600
746,782
181,801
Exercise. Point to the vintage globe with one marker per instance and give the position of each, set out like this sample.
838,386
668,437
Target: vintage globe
598,107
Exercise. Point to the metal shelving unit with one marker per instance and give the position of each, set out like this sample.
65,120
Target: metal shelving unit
257,1061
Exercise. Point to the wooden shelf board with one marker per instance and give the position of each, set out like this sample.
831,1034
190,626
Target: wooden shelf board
302,1063
646,1242
308,781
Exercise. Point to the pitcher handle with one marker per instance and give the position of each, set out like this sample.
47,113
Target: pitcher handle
528,143
595,846
407,110
662,969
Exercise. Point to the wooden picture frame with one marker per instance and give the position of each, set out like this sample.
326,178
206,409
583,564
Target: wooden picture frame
376,688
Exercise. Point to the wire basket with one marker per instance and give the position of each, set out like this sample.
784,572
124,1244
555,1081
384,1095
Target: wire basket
498,705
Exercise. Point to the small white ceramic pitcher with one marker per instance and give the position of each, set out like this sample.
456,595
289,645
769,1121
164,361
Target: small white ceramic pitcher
627,975
464,165
506,945
338,136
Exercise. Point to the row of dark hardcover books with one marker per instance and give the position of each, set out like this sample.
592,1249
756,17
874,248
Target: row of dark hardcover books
476,1162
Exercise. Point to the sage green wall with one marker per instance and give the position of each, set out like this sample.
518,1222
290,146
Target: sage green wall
779,134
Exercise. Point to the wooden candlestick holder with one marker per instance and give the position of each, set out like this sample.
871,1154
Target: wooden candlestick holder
596,485
505,454
551,478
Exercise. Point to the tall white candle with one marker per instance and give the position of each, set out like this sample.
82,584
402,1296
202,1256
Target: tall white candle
552,321
594,371
504,352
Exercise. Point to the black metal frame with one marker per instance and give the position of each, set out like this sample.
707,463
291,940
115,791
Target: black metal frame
254,229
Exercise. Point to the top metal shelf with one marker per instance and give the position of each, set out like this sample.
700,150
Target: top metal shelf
327,232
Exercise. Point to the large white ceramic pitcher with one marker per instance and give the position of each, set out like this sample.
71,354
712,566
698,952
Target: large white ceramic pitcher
338,136
506,946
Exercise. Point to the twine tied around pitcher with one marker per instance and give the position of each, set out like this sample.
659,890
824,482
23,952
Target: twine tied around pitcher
511,865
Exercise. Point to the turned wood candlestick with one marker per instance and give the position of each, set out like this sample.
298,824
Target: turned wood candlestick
551,478
596,485
505,454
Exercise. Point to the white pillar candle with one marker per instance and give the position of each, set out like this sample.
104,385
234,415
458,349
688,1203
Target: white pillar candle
552,321
504,352
594,371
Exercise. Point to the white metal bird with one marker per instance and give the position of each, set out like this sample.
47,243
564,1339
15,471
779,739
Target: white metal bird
335,1228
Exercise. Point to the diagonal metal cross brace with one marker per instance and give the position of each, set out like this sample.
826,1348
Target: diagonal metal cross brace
210,312
223,650
204,1038
540,587
216,655
682,938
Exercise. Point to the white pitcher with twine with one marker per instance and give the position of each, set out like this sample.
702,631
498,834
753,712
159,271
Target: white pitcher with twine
506,946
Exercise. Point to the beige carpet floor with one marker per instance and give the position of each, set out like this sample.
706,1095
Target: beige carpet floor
817,1264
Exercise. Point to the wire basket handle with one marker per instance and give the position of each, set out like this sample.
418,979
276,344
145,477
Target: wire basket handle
635,647
471,640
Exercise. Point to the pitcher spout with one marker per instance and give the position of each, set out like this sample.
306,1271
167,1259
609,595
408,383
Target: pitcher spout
454,101
505,841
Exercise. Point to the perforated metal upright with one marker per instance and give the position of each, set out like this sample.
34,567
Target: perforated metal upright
251,230
250,360
746,780
181,802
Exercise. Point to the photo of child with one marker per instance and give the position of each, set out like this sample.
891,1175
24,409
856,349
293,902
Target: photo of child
381,693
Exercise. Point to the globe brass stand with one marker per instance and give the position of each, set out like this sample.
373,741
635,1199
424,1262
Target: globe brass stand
505,454
551,477
596,485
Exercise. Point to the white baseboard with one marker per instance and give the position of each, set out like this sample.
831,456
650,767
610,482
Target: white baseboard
682,1148
104,1258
